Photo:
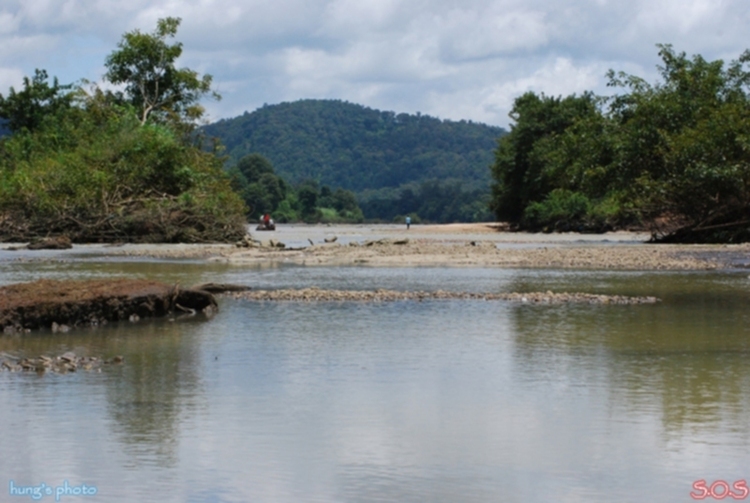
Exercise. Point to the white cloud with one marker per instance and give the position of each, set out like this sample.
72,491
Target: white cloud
471,34
454,59
11,77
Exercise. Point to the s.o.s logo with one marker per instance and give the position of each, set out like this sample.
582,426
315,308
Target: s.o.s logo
720,490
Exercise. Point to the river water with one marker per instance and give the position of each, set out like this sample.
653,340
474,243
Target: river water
440,401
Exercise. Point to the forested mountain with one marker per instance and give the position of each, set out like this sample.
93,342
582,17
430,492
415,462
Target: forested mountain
376,154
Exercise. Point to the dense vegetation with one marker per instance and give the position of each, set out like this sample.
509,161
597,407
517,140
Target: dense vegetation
102,166
674,155
396,164
254,178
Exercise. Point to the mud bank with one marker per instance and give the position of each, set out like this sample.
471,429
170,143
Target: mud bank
60,305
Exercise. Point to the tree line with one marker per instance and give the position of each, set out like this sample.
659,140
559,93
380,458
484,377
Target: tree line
673,156
264,191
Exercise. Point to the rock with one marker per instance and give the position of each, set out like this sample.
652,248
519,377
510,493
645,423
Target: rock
247,242
195,299
62,364
404,241
68,357
331,239
53,243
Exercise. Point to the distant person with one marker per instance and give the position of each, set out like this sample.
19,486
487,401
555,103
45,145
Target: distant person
408,223
266,219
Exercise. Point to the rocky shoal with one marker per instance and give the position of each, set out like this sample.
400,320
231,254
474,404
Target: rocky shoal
61,364
317,294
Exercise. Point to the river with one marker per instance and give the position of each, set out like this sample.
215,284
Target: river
440,401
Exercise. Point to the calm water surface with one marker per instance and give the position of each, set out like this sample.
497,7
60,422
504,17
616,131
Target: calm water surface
441,401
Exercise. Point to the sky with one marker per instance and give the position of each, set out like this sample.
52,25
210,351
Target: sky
451,59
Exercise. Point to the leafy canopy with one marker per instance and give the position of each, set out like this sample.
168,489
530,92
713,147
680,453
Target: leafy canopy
675,151
145,64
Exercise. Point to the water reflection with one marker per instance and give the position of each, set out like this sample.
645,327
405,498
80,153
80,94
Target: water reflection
687,354
146,396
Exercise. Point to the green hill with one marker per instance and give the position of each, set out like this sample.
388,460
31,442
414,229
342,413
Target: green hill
384,157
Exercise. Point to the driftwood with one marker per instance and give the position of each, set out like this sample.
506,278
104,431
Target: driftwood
48,303
153,219
54,243
220,287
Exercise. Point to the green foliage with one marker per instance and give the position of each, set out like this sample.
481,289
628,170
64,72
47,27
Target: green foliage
91,166
255,179
527,160
145,64
254,166
564,210
676,150
438,201
307,195
27,108
113,180
287,210
684,140
355,148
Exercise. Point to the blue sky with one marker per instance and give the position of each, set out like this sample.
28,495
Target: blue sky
452,59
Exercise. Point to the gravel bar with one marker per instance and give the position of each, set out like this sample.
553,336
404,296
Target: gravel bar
317,295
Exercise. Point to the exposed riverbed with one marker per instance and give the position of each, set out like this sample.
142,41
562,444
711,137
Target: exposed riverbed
452,245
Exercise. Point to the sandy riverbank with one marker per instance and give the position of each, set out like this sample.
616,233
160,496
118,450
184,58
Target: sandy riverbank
452,245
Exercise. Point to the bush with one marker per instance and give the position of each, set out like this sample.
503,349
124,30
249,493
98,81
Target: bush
563,210
104,177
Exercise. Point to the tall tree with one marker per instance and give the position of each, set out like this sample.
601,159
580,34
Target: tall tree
145,64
